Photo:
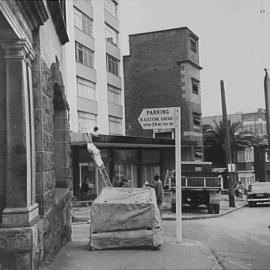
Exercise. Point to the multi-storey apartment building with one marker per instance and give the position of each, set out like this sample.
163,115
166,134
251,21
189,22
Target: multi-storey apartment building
94,66
163,70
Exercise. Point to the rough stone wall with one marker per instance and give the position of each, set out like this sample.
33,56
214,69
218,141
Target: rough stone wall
44,133
25,248
55,207
55,230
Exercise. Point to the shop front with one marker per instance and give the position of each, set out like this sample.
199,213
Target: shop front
134,159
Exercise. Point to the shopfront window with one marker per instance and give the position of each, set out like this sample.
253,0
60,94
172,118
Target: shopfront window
128,171
125,165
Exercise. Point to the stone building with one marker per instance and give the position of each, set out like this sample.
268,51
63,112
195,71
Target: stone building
163,70
35,174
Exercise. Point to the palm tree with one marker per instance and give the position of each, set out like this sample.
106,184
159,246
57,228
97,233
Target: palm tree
214,140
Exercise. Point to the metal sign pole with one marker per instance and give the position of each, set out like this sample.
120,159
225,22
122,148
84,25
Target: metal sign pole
168,118
178,175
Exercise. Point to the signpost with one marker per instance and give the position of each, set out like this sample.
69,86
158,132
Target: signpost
168,118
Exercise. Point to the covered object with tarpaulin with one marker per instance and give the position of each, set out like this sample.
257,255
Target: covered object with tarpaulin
125,217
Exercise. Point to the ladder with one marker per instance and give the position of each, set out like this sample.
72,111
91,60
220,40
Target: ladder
101,168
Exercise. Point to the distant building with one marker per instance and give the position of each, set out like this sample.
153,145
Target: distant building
262,162
163,70
245,166
252,163
254,122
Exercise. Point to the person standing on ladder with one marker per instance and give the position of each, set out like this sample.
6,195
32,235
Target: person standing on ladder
95,153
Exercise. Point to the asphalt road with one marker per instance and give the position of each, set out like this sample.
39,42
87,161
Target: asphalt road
239,240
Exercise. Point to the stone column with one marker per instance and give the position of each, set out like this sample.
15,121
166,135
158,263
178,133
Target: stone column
20,207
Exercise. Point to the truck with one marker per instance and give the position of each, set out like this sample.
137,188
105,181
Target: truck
200,186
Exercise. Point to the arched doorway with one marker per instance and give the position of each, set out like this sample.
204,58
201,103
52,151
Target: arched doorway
60,139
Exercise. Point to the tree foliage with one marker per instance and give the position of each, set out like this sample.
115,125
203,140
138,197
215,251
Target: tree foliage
214,141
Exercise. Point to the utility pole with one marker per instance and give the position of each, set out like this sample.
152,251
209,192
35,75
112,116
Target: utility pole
227,146
267,103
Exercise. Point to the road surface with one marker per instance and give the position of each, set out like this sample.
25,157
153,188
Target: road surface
239,240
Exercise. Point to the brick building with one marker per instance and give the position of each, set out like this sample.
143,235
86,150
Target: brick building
163,70
35,167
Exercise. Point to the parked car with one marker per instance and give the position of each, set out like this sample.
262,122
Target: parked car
258,192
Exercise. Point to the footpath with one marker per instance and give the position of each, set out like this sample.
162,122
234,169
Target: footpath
171,256
82,213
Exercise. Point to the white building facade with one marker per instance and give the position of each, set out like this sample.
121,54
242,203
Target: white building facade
94,72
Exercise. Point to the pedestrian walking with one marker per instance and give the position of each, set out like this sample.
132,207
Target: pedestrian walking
84,188
239,191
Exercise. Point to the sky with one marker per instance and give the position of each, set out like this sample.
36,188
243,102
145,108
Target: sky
234,44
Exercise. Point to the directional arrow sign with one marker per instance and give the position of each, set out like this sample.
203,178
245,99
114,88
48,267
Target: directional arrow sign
158,118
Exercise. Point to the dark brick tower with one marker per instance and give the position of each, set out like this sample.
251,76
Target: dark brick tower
163,70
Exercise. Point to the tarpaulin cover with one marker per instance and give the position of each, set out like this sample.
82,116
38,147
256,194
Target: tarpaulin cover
122,217
121,239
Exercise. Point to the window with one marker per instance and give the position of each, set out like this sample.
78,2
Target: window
245,155
87,120
86,89
111,35
241,156
115,125
195,86
84,55
129,171
114,95
193,45
111,7
249,127
83,22
112,65
148,172
196,120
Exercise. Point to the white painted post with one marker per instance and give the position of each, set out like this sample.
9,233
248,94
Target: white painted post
178,175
